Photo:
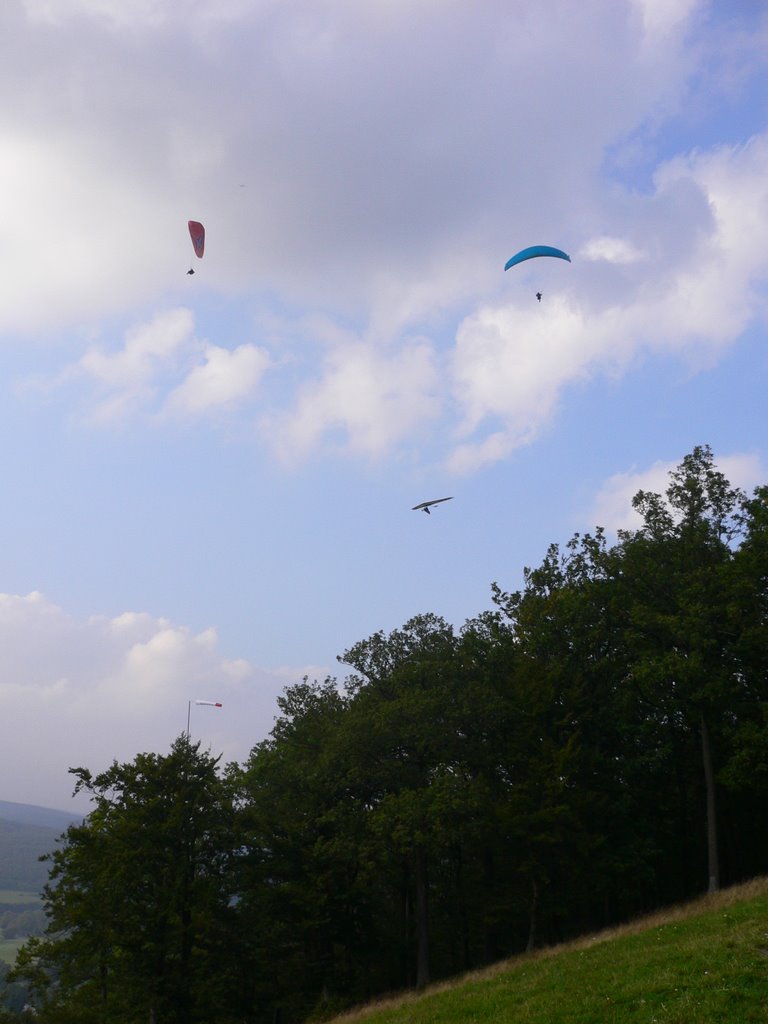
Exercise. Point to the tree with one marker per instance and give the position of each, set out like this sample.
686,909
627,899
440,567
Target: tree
138,895
402,698
571,760
677,582
301,899
743,776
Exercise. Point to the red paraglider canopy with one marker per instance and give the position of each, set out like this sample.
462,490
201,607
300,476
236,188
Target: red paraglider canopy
197,234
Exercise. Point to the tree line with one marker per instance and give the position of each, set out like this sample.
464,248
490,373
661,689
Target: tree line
593,747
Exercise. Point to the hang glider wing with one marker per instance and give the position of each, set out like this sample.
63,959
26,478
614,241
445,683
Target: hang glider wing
425,505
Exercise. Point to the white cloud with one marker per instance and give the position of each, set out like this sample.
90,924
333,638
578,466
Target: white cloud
705,226
128,379
510,365
122,120
662,16
86,692
163,367
612,508
114,13
136,15
374,399
222,380
256,118
612,250
146,347
79,237
683,276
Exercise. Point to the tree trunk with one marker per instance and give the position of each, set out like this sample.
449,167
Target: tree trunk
532,919
422,922
466,954
407,966
713,860
490,938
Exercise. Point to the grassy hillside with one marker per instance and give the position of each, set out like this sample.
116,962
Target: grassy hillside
27,832
21,846
21,915
701,963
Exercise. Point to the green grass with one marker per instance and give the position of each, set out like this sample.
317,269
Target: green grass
703,963
12,897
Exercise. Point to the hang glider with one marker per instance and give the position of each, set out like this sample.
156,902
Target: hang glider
425,505
535,250
197,234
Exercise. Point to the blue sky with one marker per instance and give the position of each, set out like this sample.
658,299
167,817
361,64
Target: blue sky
209,478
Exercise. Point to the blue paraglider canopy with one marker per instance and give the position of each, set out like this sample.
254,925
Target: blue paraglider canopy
536,250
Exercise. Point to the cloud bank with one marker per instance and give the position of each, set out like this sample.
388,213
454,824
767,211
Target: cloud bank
86,692
348,170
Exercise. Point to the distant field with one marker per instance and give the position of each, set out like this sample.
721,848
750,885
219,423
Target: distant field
12,896
9,948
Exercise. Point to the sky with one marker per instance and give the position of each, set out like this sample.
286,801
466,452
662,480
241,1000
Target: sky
209,478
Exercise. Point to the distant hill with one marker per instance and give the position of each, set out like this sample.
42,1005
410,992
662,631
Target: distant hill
30,814
26,833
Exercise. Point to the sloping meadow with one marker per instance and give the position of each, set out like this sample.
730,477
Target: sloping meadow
699,963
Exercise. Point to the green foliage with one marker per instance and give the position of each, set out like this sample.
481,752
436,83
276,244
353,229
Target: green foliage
13,996
137,894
